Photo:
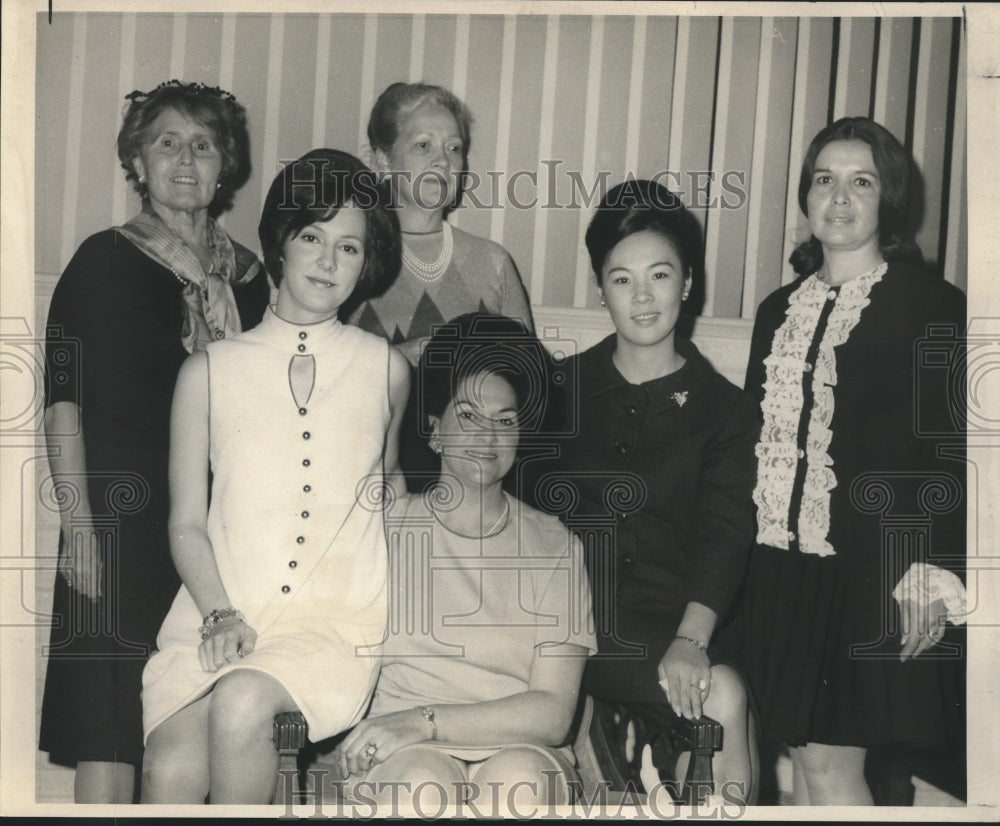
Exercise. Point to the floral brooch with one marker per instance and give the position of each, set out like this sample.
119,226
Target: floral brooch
679,397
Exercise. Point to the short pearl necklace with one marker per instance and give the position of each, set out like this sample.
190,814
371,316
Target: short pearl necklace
496,528
432,271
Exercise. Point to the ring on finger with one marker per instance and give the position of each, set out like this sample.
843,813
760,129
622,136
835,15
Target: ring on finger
370,749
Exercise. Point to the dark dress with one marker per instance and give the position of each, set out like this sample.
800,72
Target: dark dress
820,633
114,348
656,481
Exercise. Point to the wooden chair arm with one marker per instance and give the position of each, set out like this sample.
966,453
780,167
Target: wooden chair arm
655,725
290,733
702,737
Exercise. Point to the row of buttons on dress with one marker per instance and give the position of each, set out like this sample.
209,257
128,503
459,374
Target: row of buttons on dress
808,368
306,462
622,450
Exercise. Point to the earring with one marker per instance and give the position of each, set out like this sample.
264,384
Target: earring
218,185
142,179
435,443
684,297
603,302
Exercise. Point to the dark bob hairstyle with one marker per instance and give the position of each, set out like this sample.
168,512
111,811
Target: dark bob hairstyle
210,106
314,188
893,165
636,206
400,99
483,344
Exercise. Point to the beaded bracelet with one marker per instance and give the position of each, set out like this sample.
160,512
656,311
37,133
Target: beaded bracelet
215,616
428,714
699,645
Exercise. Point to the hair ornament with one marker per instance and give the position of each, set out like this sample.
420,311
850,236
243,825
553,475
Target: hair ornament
194,88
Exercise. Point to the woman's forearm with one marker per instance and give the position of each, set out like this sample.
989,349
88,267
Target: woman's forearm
190,547
191,552
698,623
540,717
67,460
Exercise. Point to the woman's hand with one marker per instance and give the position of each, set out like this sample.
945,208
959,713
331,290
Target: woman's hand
80,562
686,676
229,640
923,626
387,733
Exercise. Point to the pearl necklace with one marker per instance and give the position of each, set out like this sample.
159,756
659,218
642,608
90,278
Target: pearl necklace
432,271
496,528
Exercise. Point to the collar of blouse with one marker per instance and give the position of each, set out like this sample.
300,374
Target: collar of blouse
671,391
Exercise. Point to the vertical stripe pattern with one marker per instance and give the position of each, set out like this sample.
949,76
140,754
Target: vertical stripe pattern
575,104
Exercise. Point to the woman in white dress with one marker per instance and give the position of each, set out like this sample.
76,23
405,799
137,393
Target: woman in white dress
284,571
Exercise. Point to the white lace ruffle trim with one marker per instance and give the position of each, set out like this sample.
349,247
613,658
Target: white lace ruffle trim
925,583
777,451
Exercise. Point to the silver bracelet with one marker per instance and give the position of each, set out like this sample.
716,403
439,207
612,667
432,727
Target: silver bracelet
699,645
215,616
428,715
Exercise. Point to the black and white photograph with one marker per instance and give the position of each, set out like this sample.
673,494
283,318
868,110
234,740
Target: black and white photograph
499,409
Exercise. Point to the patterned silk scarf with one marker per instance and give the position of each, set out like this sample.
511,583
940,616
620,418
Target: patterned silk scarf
210,306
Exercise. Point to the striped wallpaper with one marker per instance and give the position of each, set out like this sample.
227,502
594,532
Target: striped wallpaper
565,106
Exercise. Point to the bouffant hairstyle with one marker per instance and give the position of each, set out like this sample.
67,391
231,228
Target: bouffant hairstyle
636,206
210,106
892,162
483,344
315,188
400,99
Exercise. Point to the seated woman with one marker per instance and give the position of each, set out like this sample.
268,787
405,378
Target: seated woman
661,460
285,570
482,665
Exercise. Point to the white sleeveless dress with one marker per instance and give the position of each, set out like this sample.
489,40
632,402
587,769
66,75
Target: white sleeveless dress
295,521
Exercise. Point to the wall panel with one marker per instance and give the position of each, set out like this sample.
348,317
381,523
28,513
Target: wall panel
578,102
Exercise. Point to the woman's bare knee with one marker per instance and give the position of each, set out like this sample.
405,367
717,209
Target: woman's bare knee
245,702
416,775
523,777
727,700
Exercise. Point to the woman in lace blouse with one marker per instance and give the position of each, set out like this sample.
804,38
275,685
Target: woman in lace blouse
859,519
